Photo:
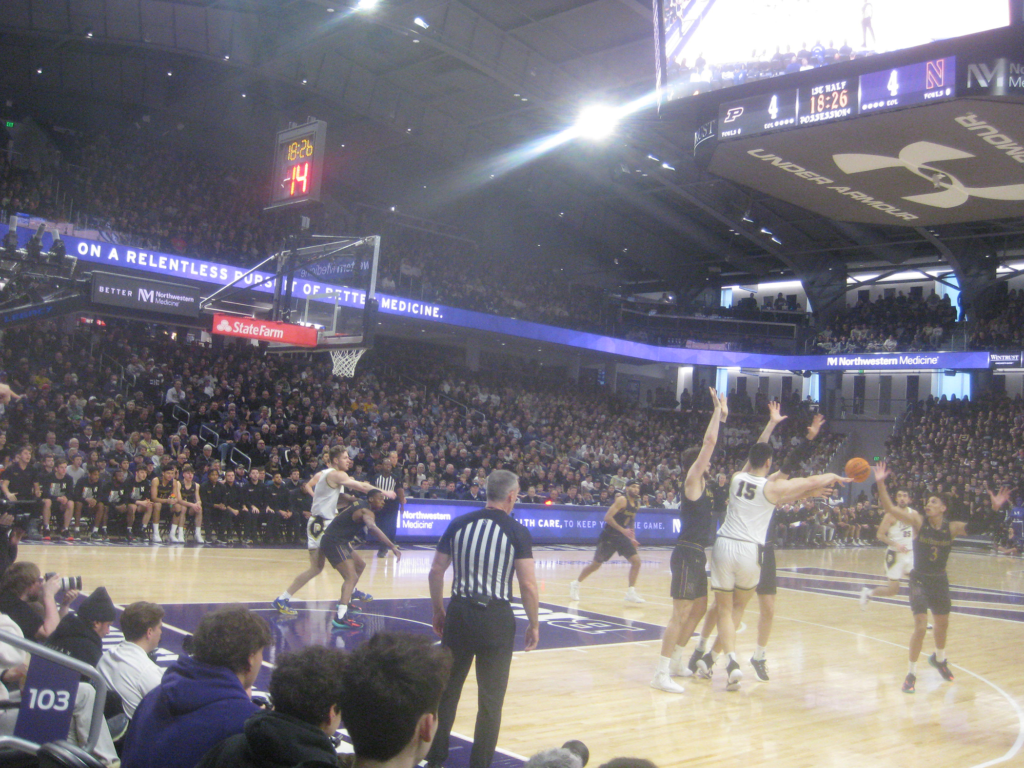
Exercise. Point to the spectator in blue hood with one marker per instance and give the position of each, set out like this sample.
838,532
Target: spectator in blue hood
203,699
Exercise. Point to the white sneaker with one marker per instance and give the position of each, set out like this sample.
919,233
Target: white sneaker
199,536
181,535
863,599
633,597
735,676
156,538
679,669
574,590
663,682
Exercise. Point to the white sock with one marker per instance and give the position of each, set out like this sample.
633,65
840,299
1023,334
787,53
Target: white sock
940,655
677,653
94,529
174,530
156,527
342,610
663,665
759,653
732,656
715,656
912,668
702,644
286,596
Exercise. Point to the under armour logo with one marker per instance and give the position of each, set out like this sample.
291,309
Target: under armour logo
916,158
224,325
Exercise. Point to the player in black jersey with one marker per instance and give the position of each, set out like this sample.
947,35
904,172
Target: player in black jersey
689,586
617,536
929,583
338,545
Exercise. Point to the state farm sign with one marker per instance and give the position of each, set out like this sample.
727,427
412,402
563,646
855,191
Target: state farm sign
265,330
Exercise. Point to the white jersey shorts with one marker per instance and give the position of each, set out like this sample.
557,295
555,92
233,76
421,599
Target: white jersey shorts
735,565
898,565
315,528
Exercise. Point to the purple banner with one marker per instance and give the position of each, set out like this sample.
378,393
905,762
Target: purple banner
115,255
47,702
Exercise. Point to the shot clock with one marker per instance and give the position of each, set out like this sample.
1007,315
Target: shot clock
298,165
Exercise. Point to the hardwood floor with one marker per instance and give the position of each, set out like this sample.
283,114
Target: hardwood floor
834,698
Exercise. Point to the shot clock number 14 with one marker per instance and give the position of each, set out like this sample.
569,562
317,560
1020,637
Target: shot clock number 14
298,165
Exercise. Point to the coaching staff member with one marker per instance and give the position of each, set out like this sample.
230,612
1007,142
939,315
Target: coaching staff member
485,547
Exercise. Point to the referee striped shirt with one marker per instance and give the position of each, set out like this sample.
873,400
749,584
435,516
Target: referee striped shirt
484,546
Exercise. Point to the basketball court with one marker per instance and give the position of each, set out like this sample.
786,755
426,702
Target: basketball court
834,697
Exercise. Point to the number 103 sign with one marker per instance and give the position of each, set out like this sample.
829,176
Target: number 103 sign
47,702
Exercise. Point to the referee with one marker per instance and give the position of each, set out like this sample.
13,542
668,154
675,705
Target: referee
389,478
485,547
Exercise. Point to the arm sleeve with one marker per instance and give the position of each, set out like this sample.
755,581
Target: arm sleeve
444,546
522,543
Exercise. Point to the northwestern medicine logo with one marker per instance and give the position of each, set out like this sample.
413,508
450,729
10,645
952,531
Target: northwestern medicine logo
881,361
147,295
918,158
998,76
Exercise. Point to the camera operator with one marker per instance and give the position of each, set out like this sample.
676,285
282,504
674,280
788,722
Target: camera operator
30,600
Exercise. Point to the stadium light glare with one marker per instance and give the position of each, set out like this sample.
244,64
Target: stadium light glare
421,23
597,121
366,5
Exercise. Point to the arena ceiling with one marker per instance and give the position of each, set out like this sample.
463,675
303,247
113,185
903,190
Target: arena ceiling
447,113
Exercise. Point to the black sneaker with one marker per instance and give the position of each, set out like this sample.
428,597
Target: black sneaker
760,669
943,668
909,683
735,676
692,663
349,622
704,665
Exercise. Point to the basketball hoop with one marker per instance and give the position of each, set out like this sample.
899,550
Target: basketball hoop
345,360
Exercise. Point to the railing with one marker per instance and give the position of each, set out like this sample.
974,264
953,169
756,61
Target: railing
179,410
65,661
235,453
214,437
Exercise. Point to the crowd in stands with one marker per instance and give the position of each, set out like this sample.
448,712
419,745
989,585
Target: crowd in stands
998,326
905,323
965,448
97,438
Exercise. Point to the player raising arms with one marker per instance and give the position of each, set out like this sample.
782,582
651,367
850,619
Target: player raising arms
736,560
324,487
617,536
689,586
899,554
929,583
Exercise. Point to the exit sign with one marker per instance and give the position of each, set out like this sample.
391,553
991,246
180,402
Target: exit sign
877,459
10,123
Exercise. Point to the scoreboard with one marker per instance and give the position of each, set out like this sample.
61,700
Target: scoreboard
298,165
836,99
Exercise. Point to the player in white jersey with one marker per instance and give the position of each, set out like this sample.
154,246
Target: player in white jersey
736,563
325,488
899,554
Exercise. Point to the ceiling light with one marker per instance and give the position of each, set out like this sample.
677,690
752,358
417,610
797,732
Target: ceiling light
419,22
227,56
39,71
415,39
88,33
243,94
366,5
304,81
765,231
667,167
652,157
596,121
170,73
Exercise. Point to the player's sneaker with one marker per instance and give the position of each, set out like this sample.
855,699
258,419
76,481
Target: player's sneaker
349,622
863,599
155,538
362,596
691,665
735,676
664,682
66,535
284,608
943,668
574,590
352,607
46,534
760,669
704,665
909,683
633,597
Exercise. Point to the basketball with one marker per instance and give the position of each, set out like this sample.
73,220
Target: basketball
858,469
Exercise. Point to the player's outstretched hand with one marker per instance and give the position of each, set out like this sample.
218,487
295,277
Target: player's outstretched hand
396,551
390,494
775,412
999,499
721,404
816,422
881,472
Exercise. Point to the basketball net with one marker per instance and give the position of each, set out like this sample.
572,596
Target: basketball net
345,360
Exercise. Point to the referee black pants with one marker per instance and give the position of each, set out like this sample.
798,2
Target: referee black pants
471,630
387,521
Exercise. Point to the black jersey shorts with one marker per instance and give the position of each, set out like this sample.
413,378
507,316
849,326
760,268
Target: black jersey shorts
929,592
767,585
689,575
610,542
337,550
